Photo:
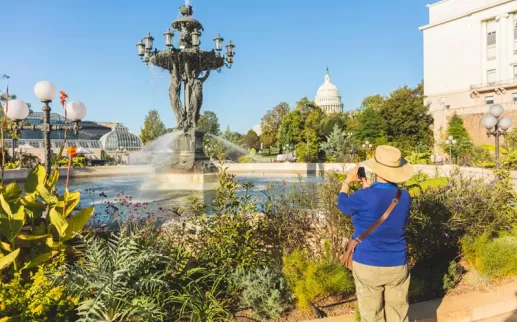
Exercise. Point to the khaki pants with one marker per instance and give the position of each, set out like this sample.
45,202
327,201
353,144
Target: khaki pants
382,292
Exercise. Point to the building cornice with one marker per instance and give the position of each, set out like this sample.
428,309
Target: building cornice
465,14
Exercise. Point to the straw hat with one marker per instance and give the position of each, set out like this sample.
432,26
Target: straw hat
388,164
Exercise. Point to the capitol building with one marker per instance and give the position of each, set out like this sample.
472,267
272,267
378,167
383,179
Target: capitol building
328,98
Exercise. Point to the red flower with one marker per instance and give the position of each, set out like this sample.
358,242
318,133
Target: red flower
63,98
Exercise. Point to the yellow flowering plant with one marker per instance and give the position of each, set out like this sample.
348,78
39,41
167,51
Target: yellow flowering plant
40,299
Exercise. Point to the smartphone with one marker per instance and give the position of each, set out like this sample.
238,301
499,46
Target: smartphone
361,173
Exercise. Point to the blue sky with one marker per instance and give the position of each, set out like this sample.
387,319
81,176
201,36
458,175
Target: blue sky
87,48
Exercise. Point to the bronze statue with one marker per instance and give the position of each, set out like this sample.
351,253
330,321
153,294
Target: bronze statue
174,95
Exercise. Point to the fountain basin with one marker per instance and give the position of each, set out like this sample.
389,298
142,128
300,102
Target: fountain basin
182,181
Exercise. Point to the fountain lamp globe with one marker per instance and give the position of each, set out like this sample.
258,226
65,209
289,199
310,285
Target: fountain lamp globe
496,110
489,122
17,110
45,91
505,123
75,110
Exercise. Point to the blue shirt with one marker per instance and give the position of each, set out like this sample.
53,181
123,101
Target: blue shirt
386,246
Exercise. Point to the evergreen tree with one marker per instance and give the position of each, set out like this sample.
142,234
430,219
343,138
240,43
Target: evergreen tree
153,127
335,145
457,130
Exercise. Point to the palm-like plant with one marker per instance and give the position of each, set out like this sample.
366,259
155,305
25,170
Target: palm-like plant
118,279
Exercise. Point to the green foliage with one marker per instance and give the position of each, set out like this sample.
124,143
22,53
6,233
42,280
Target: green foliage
457,130
330,121
118,279
479,156
310,279
252,140
493,257
408,121
245,159
271,122
153,127
38,299
291,128
371,126
419,158
335,147
453,276
34,238
265,291
209,123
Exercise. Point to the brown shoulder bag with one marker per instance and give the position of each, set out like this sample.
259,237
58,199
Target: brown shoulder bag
347,258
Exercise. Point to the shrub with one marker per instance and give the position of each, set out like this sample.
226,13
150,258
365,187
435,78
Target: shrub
453,276
118,279
39,298
311,280
495,258
265,291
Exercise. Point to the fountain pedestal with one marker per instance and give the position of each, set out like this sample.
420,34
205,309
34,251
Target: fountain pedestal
188,168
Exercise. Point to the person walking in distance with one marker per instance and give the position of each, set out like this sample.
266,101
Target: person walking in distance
380,213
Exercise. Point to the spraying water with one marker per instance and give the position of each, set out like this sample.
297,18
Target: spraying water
234,147
187,3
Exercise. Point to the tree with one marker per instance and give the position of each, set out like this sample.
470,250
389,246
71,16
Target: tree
305,105
331,120
252,140
291,129
374,101
371,126
457,130
408,119
271,122
335,146
153,127
209,123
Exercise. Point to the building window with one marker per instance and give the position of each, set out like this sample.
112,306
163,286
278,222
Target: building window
515,72
515,33
489,100
491,27
490,76
514,97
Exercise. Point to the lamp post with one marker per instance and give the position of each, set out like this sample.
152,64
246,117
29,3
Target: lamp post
496,126
46,92
450,142
367,146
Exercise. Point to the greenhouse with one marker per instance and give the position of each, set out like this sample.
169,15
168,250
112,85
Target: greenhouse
120,138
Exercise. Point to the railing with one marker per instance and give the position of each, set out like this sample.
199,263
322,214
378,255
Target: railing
481,108
492,84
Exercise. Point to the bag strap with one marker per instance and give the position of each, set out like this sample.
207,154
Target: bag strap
379,221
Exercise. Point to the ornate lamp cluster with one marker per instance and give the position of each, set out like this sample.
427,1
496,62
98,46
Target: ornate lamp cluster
189,40
496,126
18,111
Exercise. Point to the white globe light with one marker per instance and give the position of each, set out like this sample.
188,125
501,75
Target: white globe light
505,123
489,122
496,110
454,142
75,110
447,142
450,137
17,110
45,91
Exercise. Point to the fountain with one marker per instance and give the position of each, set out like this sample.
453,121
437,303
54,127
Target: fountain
187,166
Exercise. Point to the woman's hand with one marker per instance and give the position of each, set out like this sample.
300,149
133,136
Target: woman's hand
351,175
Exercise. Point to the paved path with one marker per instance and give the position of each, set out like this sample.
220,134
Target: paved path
510,317
496,305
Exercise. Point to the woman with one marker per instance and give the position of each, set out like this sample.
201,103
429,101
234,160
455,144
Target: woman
380,260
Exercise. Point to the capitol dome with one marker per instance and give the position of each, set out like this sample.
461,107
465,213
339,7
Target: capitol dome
328,98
